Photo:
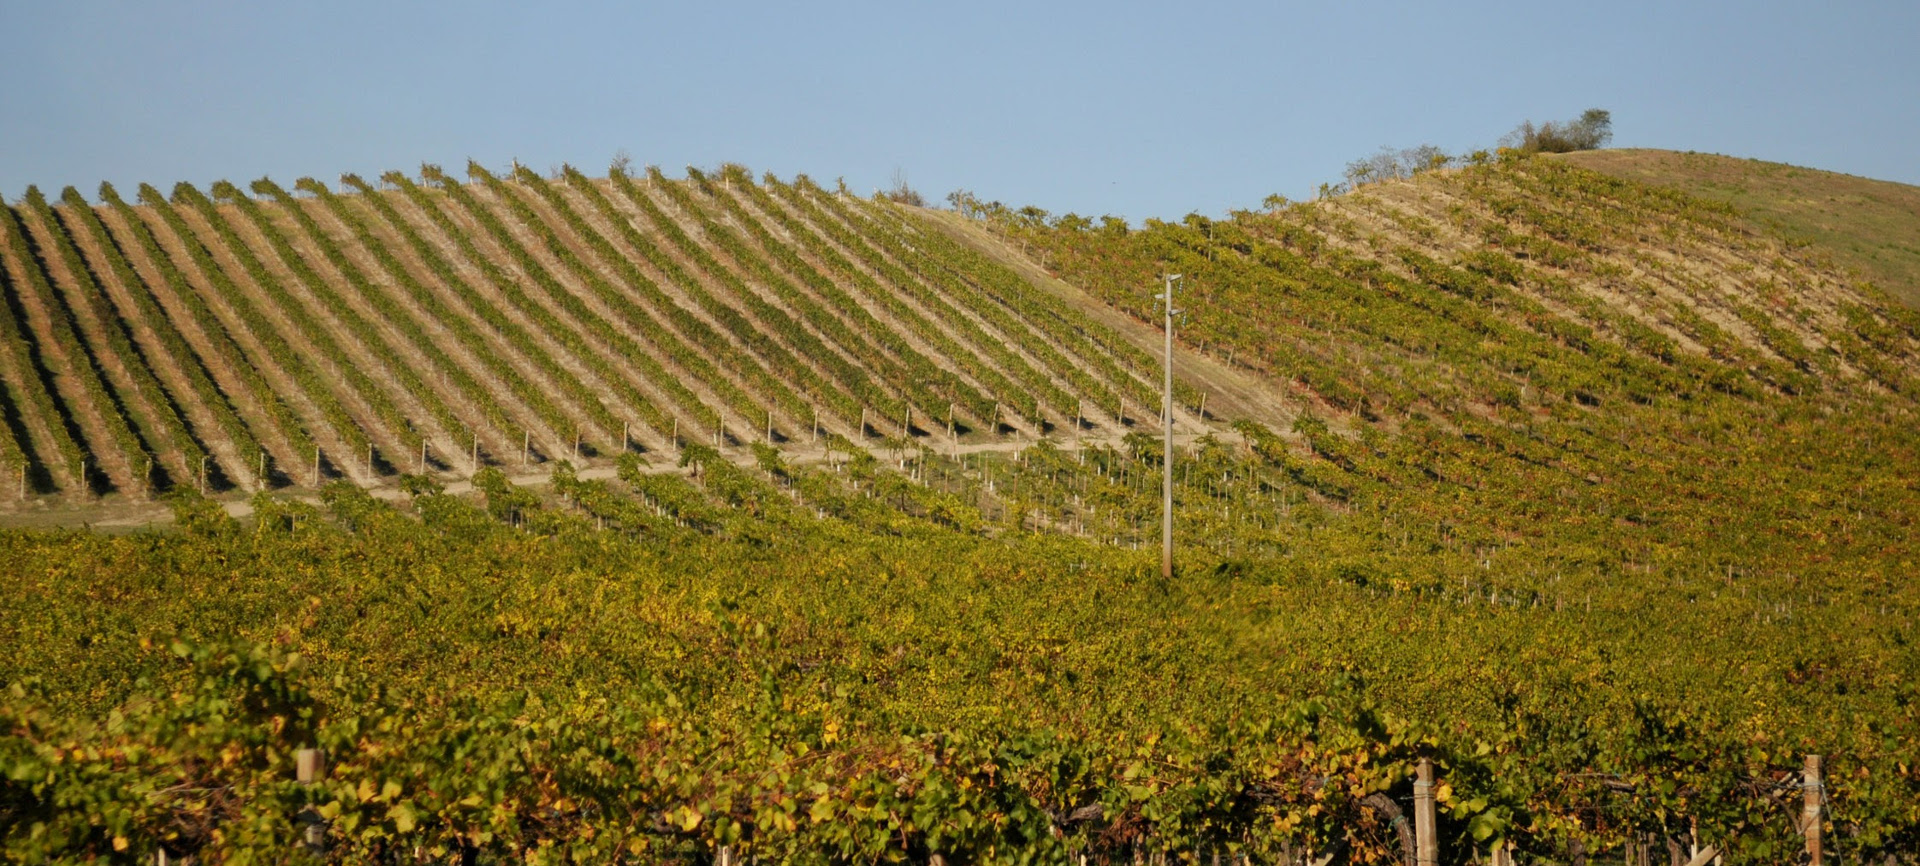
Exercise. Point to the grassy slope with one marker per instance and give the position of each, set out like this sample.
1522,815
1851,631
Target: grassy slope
1869,226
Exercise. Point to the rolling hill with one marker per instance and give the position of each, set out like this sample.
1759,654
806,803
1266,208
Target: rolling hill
633,519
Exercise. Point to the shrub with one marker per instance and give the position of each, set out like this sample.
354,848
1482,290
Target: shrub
904,194
1391,164
1592,130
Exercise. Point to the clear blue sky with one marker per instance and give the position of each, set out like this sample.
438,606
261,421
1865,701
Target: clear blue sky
1134,109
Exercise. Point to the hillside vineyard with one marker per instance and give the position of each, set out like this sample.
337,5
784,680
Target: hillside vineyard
251,340
722,520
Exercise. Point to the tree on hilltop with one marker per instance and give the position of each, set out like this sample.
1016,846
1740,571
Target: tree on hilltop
1391,164
1592,130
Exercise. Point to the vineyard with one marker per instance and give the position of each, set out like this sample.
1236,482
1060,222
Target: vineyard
637,519
233,341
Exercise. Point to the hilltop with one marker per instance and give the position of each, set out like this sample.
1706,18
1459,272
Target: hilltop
1869,226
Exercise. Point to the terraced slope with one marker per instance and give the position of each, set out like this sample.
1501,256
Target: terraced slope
270,337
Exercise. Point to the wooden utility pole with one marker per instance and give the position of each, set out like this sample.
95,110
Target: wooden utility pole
1166,458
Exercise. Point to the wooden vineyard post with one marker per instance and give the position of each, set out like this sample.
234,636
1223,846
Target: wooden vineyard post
1203,407
676,432
23,482
814,436
526,447
149,476
369,459
203,476
1425,822
626,436
309,766
316,463
476,451
1812,794
863,422
576,446
996,419
769,426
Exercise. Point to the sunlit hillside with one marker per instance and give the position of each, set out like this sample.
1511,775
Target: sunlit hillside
637,519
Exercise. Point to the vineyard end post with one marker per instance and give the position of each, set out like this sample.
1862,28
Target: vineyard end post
1812,793
1425,821
309,766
